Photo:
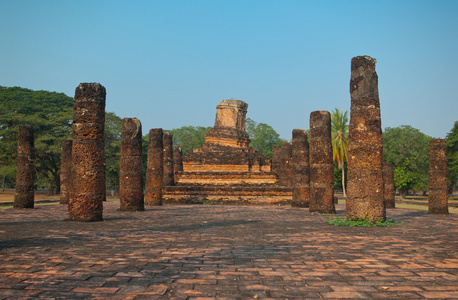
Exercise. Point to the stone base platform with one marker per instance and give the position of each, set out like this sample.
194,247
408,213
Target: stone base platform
259,195
226,178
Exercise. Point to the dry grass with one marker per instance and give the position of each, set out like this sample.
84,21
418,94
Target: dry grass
8,196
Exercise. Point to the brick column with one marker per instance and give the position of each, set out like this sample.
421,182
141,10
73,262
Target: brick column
321,167
25,170
301,169
154,168
365,190
285,172
88,154
65,171
275,165
167,177
177,161
130,175
438,188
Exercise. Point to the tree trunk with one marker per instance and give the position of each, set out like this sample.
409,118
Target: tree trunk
343,182
403,193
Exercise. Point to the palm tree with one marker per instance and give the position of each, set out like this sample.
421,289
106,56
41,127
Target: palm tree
339,135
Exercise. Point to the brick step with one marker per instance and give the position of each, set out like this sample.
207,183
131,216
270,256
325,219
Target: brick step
226,178
259,195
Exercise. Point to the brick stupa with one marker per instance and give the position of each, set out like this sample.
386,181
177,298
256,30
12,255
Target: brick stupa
226,169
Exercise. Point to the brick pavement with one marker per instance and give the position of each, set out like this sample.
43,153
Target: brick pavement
224,252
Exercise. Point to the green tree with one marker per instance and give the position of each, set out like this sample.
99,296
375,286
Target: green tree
452,156
113,128
189,137
50,115
407,148
339,137
262,137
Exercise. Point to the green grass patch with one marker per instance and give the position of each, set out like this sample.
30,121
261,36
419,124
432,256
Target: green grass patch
337,221
207,203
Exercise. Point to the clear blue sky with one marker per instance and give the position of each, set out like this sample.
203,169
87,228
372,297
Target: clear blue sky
169,63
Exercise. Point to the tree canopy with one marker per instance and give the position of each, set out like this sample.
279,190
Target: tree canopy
407,148
262,137
452,156
189,137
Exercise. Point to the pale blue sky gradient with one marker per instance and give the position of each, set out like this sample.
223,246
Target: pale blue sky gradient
169,63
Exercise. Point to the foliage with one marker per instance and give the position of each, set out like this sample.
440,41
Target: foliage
339,140
337,221
452,156
113,128
262,137
189,137
50,115
407,149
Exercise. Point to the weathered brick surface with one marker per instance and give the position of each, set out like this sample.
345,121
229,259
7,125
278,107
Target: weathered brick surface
285,172
25,169
438,188
65,171
301,169
321,167
224,252
177,161
365,156
167,177
130,175
276,159
88,154
154,168
388,182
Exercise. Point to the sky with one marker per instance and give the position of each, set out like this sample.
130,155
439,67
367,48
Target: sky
169,63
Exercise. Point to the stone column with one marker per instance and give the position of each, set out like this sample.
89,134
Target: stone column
275,166
25,170
177,161
301,169
388,180
65,171
88,154
168,174
365,190
130,175
321,167
285,172
438,189
154,168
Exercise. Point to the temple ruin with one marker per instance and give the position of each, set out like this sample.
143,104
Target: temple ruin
154,168
438,189
65,171
226,170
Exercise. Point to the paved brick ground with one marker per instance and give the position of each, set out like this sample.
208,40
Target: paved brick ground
224,252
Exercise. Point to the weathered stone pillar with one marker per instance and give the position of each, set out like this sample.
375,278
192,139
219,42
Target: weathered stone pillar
130,175
65,171
285,172
321,168
88,154
275,166
438,188
154,168
168,174
365,198
301,169
388,180
177,161
25,170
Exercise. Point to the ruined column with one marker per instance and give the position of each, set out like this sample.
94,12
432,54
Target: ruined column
301,169
365,190
275,166
388,180
25,170
65,171
154,168
168,174
88,154
177,161
321,167
130,175
285,172
438,189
